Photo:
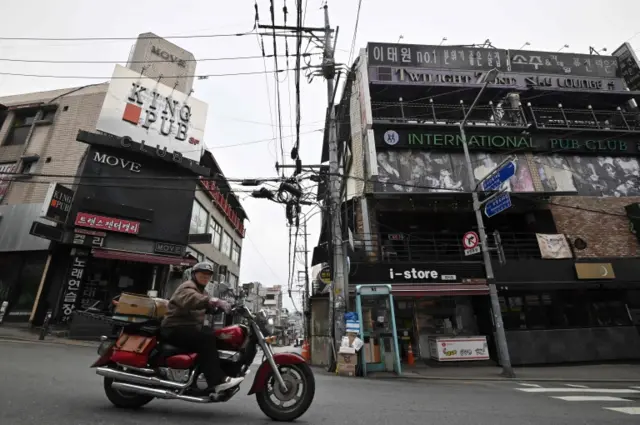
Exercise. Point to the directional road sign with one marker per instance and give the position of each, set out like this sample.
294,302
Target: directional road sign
498,177
498,204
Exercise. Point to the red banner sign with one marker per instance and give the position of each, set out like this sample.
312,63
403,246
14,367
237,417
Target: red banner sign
107,223
223,205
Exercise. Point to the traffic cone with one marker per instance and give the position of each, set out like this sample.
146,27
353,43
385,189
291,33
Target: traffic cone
410,359
305,351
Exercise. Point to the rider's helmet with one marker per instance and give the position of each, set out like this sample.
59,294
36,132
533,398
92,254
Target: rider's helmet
203,266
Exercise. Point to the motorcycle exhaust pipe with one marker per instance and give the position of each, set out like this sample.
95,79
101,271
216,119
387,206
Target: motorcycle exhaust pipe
157,393
137,379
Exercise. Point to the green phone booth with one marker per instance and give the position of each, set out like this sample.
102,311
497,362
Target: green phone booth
380,353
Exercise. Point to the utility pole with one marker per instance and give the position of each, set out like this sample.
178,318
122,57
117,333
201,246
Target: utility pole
339,295
305,303
501,339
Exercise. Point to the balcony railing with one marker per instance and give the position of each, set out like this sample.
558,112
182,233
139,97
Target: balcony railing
501,115
430,247
588,118
493,115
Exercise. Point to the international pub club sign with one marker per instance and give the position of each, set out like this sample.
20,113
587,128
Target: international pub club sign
408,138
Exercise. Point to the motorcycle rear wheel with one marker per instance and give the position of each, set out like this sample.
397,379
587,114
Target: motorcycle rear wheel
304,378
124,400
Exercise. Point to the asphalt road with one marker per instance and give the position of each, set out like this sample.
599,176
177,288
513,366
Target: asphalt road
52,384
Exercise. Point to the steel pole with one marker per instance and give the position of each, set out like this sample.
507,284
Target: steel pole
501,338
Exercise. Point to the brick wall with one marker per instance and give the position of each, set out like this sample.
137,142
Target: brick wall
55,143
607,233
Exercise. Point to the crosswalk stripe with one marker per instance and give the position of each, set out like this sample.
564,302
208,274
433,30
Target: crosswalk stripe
637,388
579,390
529,385
627,410
589,398
576,386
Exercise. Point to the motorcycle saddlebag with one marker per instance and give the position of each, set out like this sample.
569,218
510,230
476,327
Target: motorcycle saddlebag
133,350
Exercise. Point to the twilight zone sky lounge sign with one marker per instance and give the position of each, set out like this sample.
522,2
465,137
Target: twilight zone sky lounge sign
465,58
421,76
503,141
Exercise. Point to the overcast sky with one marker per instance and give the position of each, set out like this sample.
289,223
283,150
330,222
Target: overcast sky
239,106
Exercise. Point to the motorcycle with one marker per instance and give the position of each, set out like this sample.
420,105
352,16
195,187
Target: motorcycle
284,385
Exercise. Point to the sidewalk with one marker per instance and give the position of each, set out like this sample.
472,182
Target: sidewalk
22,332
612,372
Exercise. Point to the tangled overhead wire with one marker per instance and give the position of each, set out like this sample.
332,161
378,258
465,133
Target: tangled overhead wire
290,193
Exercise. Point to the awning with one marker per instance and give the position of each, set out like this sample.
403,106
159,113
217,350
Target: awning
140,257
417,291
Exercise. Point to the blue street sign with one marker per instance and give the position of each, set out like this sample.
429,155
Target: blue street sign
495,180
498,204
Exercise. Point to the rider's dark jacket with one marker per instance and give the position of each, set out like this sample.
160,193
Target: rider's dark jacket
186,306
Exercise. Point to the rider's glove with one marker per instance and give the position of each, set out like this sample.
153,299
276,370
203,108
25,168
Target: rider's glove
221,304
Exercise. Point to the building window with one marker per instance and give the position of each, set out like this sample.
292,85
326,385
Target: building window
198,219
233,280
235,253
197,255
226,244
216,230
564,309
20,127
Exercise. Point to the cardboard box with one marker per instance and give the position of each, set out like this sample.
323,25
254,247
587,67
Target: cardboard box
346,370
347,358
134,305
347,364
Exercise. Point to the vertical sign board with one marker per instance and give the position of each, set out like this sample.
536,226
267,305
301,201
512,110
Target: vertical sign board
72,284
57,203
629,66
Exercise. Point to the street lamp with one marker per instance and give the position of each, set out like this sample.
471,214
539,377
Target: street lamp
503,349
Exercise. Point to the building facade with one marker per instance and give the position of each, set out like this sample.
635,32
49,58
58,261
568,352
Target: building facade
98,196
37,137
565,260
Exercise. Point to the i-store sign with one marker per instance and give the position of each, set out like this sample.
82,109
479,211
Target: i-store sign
223,205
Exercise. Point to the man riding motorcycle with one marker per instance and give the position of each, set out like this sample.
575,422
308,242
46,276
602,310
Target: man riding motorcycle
182,326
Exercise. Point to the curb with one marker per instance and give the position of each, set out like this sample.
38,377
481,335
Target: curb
48,341
510,380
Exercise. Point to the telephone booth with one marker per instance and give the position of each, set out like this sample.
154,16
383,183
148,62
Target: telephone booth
380,352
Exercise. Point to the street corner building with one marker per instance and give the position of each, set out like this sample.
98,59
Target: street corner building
558,135
109,188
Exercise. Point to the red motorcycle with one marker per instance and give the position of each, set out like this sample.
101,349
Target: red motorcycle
138,367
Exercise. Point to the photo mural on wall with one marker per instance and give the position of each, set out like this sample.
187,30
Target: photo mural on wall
438,172
589,175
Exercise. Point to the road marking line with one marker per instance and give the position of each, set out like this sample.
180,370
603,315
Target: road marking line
637,388
590,398
627,410
579,390
529,385
576,386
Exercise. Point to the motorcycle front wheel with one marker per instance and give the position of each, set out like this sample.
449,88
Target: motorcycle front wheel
286,406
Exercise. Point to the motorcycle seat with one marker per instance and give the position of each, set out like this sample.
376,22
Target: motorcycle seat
169,350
